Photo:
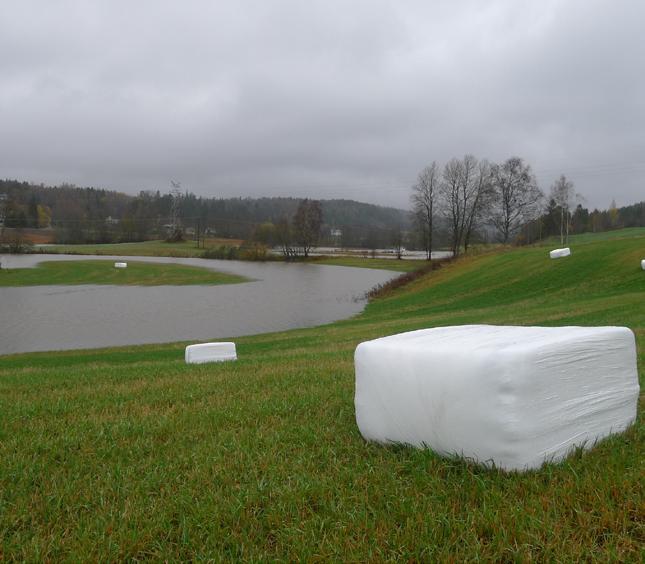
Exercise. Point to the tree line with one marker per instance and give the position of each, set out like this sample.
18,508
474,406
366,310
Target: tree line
91,215
469,199
464,201
472,195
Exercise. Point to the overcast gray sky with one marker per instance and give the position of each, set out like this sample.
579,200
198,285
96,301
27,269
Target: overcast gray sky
321,98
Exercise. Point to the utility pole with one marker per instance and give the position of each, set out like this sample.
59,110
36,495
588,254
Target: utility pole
3,199
176,196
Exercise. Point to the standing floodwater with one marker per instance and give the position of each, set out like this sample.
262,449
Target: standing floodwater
280,296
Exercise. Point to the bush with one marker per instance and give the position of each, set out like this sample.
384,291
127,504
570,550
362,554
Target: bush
253,251
177,236
221,253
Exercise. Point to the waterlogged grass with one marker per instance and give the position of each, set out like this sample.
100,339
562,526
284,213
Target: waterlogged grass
189,249
129,453
104,272
403,265
144,248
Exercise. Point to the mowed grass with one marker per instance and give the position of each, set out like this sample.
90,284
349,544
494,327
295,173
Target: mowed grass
130,454
145,248
595,237
104,272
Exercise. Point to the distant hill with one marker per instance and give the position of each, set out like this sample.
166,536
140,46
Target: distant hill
97,215
349,212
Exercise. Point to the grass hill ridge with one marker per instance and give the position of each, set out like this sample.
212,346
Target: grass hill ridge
130,453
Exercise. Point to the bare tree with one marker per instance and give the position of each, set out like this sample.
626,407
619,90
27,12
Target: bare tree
465,192
176,233
516,196
423,197
614,215
284,238
479,201
564,196
396,239
451,203
307,223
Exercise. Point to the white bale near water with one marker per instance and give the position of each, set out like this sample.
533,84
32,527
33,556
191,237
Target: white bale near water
559,253
120,265
510,396
210,352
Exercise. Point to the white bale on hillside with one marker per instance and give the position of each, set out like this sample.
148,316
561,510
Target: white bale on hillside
120,265
643,264
559,253
210,352
512,396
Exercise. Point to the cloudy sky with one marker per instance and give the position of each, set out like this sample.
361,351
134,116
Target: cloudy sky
321,98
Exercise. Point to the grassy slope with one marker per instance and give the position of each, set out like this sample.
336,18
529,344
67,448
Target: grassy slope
131,453
103,272
605,235
144,248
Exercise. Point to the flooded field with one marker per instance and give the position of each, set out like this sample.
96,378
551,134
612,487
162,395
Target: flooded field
280,296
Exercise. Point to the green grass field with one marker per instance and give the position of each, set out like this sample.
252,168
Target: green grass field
595,237
143,248
103,272
129,453
189,249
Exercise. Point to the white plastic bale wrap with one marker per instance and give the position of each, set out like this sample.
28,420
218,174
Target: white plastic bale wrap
120,265
210,352
512,396
643,264
559,253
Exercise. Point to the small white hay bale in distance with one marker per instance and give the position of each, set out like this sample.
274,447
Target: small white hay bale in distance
559,253
510,396
643,264
210,352
120,265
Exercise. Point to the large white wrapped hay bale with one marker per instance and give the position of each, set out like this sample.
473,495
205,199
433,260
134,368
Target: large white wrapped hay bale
210,352
120,265
512,396
559,253
643,264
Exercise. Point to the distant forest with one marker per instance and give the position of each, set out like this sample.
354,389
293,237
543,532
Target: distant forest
91,215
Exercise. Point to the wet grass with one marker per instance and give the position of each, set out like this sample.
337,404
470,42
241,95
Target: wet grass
403,265
189,249
129,453
104,272
144,248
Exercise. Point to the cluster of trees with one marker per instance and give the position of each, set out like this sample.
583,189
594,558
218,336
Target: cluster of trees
77,214
469,199
30,213
295,237
471,195
564,220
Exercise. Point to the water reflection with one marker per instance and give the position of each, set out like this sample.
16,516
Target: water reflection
281,296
